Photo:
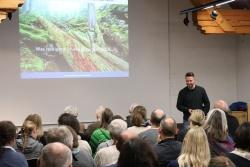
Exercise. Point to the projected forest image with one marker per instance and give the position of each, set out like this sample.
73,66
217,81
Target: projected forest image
74,36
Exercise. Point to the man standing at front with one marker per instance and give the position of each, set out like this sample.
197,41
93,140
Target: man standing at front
192,97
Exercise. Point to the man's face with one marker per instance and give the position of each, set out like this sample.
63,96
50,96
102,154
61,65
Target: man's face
190,82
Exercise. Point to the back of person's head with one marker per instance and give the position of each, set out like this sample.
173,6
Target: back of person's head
242,137
195,150
132,107
125,136
98,112
117,117
156,117
29,129
197,118
216,124
137,153
168,127
37,120
73,110
60,134
221,104
55,155
139,116
7,134
106,118
75,137
116,127
69,120
221,161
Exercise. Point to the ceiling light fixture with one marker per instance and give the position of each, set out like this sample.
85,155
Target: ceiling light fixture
208,5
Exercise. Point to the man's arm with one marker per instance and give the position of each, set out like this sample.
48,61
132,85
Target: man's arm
180,100
206,102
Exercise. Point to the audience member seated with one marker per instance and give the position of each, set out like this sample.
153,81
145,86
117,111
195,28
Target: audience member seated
241,155
168,148
98,112
80,156
129,117
63,135
55,155
73,110
90,129
221,161
137,153
37,120
8,156
111,141
197,118
28,144
232,121
217,132
138,119
109,155
101,134
151,135
195,150
72,121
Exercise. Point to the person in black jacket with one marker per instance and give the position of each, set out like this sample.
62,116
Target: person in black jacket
241,155
190,98
168,148
232,122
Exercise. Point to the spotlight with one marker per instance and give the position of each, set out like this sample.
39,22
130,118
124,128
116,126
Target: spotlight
186,20
214,14
10,16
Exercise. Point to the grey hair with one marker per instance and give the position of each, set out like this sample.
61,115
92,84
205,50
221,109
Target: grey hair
220,131
60,134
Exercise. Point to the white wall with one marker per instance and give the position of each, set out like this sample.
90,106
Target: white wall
243,69
211,57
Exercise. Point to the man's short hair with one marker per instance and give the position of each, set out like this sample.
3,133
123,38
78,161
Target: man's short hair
156,118
60,134
7,132
189,74
69,120
168,128
56,155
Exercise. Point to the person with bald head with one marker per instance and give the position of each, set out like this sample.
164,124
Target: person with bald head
151,135
55,155
168,148
232,121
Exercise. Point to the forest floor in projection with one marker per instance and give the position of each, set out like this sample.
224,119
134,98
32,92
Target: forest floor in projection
53,44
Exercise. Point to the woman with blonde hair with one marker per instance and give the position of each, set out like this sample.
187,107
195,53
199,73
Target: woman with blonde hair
197,118
195,150
28,143
37,120
217,132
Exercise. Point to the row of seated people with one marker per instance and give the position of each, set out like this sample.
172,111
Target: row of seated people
110,142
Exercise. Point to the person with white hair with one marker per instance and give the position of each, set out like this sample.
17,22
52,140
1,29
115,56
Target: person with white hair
55,155
217,132
232,121
109,155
